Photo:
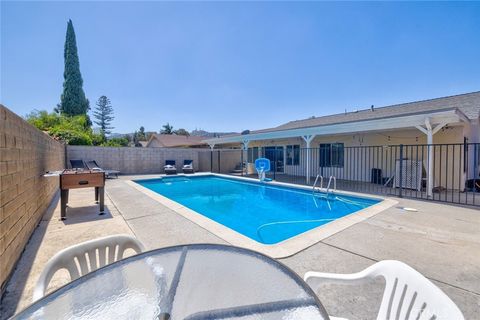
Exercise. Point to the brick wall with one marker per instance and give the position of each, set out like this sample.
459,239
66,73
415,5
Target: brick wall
26,154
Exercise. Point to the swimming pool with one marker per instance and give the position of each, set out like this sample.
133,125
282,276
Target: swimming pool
264,212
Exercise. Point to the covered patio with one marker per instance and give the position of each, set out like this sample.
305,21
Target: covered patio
423,166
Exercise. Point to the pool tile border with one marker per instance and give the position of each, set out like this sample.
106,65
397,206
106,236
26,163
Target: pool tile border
282,249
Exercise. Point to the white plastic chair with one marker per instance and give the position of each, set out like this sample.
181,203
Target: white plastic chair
74,259
408,294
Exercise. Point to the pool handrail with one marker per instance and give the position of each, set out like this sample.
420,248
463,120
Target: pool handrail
315,183
334,183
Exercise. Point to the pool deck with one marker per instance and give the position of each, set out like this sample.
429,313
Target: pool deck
440,241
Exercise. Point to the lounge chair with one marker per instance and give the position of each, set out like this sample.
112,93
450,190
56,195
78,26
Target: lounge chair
169,167
93,165
78,164
408,294
67,259
188,166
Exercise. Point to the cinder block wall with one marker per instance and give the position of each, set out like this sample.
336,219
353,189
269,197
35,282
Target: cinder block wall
135,160
229,160
26,154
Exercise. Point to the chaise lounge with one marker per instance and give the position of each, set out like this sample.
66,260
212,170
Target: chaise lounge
188,166
169,167
78,164
93,165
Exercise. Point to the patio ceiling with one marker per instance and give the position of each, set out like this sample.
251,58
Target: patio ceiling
401,122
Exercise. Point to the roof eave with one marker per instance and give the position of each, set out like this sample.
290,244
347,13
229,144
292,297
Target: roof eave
400,122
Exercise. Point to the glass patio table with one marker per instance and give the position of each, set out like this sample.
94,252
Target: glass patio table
198,281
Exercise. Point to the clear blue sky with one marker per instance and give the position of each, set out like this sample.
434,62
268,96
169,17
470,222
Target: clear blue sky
224,66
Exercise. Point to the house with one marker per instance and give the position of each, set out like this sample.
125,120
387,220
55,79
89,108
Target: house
175,141
436,140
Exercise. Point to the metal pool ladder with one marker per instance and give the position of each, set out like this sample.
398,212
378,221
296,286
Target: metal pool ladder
315,183
334,183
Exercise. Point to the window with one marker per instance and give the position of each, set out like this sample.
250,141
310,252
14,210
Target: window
293,155
252,154
331,155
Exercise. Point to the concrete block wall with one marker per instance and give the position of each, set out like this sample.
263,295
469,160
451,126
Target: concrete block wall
26,153
135,160
229,160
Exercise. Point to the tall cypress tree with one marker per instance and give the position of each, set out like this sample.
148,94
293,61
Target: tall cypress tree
73,100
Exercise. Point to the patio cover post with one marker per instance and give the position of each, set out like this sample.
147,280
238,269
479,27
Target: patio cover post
212,145
244,148
308,139
430,158
429,131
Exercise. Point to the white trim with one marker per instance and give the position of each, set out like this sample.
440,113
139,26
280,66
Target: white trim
422,129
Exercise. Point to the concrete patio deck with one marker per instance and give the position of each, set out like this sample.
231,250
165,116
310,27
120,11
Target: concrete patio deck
440,241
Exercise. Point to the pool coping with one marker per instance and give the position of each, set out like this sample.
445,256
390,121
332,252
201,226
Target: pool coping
281,249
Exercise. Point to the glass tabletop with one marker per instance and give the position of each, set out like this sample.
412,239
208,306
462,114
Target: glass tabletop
194,282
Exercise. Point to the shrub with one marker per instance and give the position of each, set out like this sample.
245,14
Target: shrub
116,142
73,130
98,139
43,120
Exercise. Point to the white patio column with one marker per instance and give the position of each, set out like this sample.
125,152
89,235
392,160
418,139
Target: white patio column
212,145
245,150
430,158
245,144
308,139
429,131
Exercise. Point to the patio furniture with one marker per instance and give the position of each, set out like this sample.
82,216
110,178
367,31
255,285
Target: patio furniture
78,164
73,179
195,282
97,248
169,167
239,169
412,174
92,165
408,294
188,166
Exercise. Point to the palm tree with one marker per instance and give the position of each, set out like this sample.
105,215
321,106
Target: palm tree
167,129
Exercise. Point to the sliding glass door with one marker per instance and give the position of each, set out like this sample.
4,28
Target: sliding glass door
276,156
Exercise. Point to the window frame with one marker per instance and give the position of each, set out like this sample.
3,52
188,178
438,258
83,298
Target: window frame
292,157
251,154
332,155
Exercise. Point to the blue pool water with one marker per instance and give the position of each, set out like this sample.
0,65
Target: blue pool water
261,211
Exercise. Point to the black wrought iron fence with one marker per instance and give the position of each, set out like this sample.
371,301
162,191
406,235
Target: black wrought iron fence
440,172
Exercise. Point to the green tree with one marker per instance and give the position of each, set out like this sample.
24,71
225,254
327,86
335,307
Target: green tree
167,129
104,115
141,134
135,139
182,132
72,101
